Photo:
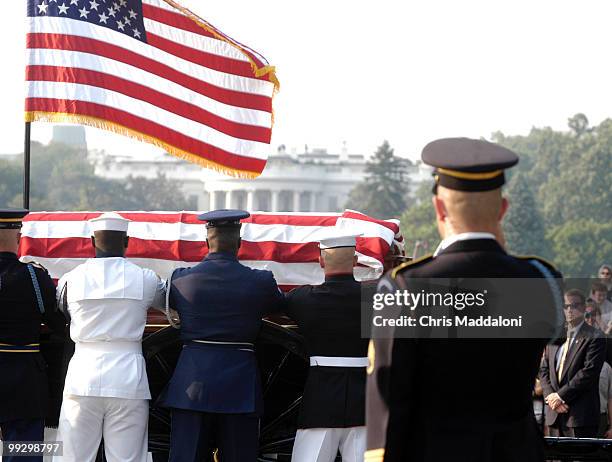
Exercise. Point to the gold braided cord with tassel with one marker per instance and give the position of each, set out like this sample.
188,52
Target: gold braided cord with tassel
96,122
259,71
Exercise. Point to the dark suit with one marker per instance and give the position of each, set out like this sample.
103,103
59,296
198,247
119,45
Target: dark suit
430,400
579,383
215,388
23,383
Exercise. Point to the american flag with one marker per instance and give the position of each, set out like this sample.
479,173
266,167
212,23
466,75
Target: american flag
286,244
152,70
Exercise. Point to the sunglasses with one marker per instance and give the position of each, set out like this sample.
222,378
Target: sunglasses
575,306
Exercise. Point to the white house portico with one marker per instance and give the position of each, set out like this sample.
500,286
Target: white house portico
313,181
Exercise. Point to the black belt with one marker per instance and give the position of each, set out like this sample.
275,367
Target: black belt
30,348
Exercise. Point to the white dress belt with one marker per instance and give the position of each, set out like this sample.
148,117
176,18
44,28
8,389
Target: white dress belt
338,361
216,342
108,347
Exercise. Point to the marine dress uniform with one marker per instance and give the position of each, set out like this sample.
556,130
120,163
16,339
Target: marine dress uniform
27,299
460,399
215,391
106,391
332,414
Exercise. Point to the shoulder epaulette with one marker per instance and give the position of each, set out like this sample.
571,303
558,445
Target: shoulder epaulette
39,266
545,262
410,264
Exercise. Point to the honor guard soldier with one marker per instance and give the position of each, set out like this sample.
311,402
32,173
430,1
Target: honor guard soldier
332,415
27,299
461,399
106,391
215,391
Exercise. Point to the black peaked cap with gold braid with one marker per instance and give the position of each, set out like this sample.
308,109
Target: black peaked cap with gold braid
12,218
465,164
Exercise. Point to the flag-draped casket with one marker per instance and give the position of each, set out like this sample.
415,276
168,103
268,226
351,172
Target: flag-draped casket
286,244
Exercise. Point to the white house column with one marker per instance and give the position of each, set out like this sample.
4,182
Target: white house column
313,201
274,207
296,201
228,199
250,200
212,198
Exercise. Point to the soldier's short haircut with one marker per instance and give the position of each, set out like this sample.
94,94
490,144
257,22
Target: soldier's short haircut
224,239
110,241
339,256
474,208
8,237
576,293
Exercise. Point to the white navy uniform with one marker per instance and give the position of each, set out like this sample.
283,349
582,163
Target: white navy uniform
106,391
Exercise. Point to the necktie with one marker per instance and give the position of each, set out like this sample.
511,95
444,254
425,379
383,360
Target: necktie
566,347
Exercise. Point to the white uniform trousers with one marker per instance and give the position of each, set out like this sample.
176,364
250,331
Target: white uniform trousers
322,444
123,423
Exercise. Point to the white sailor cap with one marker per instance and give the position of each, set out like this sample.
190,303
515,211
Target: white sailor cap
337,238
109,221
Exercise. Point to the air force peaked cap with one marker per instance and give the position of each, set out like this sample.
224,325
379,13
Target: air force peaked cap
465,164
109,221
12,218
224,218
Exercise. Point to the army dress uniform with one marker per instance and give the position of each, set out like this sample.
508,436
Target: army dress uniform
106,391
215,391
430,400
27,299
332,413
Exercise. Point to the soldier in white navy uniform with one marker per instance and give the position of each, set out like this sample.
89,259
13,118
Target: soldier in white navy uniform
332,416
106,391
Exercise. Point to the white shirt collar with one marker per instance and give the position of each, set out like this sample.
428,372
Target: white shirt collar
461,237
574,330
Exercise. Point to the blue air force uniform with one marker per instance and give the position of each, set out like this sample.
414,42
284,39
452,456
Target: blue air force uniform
215,388
27,299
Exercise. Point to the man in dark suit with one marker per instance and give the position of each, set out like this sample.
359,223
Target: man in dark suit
332,414
569,374
215,389
27,299
461,399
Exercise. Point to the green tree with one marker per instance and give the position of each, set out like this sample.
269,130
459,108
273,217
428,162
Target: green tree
523,226
158,194
418,223
580,247
570,174
63,179
383,193
10,183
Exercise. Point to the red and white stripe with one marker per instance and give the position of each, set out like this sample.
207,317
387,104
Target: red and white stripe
193,91
285,244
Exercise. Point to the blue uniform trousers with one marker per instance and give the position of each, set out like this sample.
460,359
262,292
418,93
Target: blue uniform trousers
195,434
23,430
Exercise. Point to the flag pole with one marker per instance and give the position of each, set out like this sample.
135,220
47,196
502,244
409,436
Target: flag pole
26,167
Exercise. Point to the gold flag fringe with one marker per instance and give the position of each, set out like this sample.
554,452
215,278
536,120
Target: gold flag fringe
259,71
60,117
